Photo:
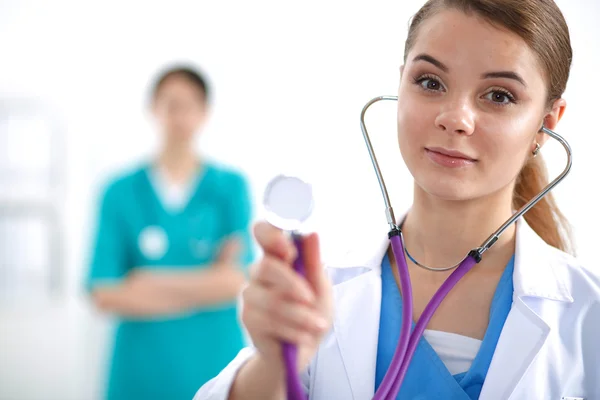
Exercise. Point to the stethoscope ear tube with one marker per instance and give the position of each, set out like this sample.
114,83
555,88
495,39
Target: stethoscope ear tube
389,212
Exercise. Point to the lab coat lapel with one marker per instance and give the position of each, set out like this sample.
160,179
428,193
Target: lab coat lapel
524,332
522,337
356,328
356,321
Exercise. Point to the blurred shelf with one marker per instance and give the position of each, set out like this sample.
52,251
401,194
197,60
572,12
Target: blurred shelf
26,207
32,173
29,195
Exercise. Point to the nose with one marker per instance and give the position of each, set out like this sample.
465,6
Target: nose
458,120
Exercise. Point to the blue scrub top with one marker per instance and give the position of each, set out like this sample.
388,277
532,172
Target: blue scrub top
170,357
427,377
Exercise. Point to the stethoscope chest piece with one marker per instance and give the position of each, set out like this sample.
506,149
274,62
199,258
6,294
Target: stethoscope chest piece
288,202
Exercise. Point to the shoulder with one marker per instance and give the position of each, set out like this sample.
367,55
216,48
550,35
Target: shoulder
582,314
359,255
224,177
542,270
120,185
581,317
582,281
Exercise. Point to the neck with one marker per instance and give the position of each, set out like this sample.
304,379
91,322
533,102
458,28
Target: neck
439,233
178,162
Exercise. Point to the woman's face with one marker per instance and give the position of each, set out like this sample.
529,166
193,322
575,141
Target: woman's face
179,108
472,99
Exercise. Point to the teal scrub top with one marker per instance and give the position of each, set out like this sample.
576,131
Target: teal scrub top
427,377
170,357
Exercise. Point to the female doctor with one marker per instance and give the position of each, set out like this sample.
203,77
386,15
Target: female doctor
479,79
171,239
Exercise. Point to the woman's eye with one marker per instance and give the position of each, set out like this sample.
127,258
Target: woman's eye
430,84
500,97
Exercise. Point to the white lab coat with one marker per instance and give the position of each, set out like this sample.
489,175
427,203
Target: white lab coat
549,347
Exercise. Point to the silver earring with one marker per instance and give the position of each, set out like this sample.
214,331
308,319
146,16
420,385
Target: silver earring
536,150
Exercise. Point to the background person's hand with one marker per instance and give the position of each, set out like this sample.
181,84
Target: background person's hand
229,253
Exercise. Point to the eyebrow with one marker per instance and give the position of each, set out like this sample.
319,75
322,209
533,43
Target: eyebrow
431,60
505,74
487,75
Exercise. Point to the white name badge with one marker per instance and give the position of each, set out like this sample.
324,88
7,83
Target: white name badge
153,242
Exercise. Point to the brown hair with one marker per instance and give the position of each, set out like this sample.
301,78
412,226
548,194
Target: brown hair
542,26
194,76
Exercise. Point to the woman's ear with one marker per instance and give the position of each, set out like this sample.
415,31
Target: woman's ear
551,119
555,114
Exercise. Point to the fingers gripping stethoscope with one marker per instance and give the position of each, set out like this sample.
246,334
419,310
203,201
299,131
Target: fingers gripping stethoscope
288,201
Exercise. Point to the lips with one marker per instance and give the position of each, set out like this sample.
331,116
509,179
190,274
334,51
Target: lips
450,153
449,158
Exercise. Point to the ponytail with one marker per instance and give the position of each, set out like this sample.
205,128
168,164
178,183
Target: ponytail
544,218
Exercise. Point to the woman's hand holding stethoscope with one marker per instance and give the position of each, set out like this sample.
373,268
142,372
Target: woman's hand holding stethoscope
281,306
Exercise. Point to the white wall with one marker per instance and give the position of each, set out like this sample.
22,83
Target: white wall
288,76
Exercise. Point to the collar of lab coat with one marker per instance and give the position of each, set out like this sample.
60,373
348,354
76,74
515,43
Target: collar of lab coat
537,272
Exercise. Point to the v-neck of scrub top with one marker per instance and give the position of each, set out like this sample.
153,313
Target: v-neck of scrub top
427,377
173,198
191,235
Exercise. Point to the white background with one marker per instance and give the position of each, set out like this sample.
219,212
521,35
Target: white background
290,79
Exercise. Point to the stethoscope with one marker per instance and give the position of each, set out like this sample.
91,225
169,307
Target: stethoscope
288,202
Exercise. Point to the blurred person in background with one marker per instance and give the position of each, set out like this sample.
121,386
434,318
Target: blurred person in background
170,250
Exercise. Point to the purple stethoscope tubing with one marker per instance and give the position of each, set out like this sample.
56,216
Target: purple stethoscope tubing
295,390
407,343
